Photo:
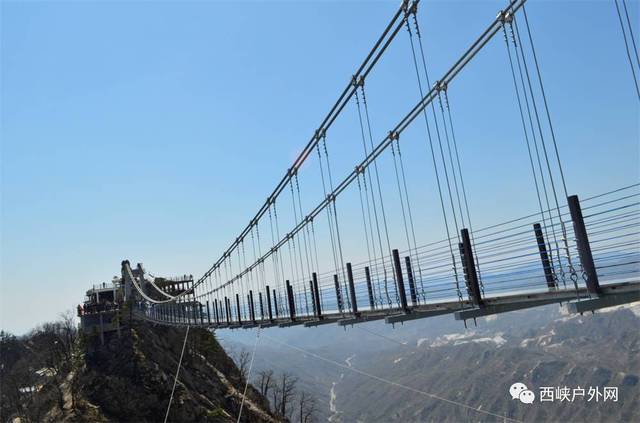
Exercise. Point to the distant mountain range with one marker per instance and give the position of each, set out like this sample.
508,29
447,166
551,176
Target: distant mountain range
472,367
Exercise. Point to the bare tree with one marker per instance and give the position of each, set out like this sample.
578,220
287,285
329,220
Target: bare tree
307,408
67,334
243,358
283,395
265,382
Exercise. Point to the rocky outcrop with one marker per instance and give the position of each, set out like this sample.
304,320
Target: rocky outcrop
130,378
47,376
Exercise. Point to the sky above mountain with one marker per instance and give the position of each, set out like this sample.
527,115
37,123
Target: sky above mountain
152,131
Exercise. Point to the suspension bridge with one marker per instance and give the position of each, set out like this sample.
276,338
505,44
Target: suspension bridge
583,252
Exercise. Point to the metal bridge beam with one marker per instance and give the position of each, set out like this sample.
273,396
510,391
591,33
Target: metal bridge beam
603,301
415,314
488,310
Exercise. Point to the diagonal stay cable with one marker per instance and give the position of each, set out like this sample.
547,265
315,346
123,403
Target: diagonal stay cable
175,380
246,384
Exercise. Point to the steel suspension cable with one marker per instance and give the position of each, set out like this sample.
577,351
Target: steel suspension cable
413,231
464,191
382,210
453,169
402,208
544,95
433,156
335,218
553,138
626,44
526,94
435,120
633,39
527,141
367,174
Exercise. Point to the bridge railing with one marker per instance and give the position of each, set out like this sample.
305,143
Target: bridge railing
535,253
613,224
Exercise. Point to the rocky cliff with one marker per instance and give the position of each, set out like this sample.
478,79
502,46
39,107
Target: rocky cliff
129,379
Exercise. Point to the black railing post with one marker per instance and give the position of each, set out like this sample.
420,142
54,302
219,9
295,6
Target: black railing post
227,306
412,282
269,303
261,305
215,310
469,267
352,290
544,256
400,281
275,304
584,248
292,304
252,309
367,274
313,299
338,293
238,309
316,294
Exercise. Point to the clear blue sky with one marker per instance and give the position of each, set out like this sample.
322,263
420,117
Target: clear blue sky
153,130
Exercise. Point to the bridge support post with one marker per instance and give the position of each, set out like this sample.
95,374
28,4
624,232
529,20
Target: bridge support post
338,293
313,299
352,291
238,309
292,304
469,268
261,305
544,256
400,281
367,274
584,248
269,304
275,304
208,313
412,282
215,310
201,313
316,295
227,306
252,310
